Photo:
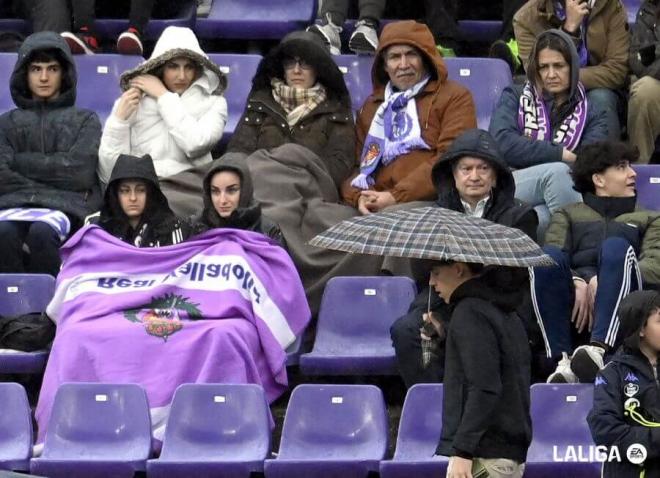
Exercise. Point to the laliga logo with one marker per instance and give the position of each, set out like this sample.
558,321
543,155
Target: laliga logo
636,454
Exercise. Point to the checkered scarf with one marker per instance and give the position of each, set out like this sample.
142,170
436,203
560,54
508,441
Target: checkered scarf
297,102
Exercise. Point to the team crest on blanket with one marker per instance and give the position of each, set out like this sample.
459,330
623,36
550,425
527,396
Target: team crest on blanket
162,316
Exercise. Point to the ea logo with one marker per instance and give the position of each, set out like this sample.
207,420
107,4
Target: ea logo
636,453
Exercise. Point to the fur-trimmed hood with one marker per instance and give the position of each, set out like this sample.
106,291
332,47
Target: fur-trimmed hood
177,42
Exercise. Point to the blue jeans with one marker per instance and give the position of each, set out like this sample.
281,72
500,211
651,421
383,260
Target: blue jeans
546,187
608,101
553,294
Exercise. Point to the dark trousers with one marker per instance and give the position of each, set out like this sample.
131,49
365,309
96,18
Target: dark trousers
42,241
338,10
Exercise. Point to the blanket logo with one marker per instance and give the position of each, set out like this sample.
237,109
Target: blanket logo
163,314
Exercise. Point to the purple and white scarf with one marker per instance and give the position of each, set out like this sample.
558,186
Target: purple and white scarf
583,53
534,121
394,131
55,219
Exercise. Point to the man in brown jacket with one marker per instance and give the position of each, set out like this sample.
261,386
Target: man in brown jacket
405,138
599,29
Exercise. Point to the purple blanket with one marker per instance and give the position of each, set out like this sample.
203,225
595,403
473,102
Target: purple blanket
221,307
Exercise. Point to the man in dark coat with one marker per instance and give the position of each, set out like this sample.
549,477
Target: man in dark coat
48,157
471,177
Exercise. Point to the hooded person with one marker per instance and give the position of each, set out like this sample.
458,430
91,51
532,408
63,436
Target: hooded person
626,408
48,157
409,120
135,210
172,109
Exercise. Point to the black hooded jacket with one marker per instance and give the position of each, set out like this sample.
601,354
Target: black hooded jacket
627,378
487,374
49,149
248,215
158,225
328,130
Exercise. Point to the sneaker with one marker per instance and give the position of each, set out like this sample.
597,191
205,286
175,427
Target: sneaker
563,372
129,43
330,35
507,51
446,52
587,361
81,43
364,40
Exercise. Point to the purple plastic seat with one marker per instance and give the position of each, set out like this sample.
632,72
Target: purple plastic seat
7,62
96,429
24,294
98,85
353,330
331,431
215,430
632,7
484,31
419,434
251,20
648,185
357,75
15,428
559,424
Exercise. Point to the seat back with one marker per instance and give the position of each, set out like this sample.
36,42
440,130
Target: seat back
632,7
648,185
421,422
25,293
214,421
7,62
15,427
357,75
335,422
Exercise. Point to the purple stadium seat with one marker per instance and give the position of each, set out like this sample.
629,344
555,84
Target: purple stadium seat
632,7
15,428
96,429
215,430
560,427
24,294
7,62
485,31
353,330
357,75
247,19
648,185
419,434
331,431
98,80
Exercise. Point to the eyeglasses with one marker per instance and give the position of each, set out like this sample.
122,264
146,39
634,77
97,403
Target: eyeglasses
290,64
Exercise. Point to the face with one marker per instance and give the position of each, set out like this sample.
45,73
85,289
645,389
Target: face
474,179
554,72
404,65
650,333
446,278
179,74
616,181
132,198
298,73
225,192
45,80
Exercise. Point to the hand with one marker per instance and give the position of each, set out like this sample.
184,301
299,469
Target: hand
568,156
583,309
128,103
593,287
376,201
150,85
459,467
437,325
362,205
576,10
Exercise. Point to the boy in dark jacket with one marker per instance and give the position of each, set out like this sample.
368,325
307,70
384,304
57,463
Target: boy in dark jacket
48,157
626,407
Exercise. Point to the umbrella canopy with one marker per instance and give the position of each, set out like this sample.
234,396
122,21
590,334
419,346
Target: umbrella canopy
434,233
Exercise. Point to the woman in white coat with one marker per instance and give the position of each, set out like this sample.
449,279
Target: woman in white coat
172,109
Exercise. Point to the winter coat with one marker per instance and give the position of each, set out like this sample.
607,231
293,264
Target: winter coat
158,225
328,130
178,132
645,41
608,40
579,229
487,375
49,149
628,376
521,151
445,109
248,215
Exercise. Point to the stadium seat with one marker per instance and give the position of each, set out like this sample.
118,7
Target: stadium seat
15,428
96,429
353,330
560,428
331,431
357,75
214,430
648,185
247,20
7,62
419,434
484,31
24,294
632,7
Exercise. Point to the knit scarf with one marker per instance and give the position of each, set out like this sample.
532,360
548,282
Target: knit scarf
534,121
394,131
297,102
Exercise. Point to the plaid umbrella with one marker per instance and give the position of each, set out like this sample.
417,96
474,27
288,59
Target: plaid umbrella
434,233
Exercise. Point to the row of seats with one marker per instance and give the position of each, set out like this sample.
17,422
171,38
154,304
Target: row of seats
224,430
